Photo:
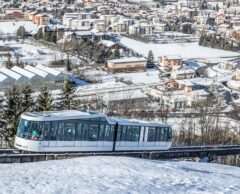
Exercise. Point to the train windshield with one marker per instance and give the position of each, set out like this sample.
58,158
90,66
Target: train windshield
31,129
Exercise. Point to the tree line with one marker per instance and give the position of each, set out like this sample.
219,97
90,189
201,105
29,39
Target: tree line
19,100
219,42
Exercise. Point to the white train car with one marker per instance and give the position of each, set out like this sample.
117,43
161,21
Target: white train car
76,131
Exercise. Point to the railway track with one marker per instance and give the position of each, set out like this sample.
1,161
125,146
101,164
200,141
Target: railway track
16,156
9,151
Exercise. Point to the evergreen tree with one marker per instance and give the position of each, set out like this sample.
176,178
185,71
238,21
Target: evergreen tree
53,37
12,113
2,122
117,53
201,39
47,36
68,95
108,54
45,100
39,34
195,12
150,59
68,66
27,100
217,7
21,31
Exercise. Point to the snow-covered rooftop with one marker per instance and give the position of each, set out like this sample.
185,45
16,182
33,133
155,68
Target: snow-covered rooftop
127,60
36,71
48,70
2,77
23,72
10,73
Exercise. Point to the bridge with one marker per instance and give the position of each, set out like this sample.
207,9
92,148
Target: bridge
18,156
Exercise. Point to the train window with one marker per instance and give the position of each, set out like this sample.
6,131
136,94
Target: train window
84,132
69,131
93,132
59,134
164,134
40,130
162,131
79,130
34,130
109,133
128,135
53,132
21,127
135,134
119,131
101,133
169,134
158,134
27,130
151,134
123,135
46,131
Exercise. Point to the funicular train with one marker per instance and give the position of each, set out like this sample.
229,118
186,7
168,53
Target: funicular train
76,131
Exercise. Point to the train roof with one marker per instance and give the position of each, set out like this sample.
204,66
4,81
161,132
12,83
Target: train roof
76,114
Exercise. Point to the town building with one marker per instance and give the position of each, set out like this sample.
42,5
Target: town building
127,65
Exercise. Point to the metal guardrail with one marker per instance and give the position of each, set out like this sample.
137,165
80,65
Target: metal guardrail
175,152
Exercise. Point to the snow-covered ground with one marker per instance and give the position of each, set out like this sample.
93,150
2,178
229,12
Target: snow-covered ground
118,175
186,50
34,54
12,27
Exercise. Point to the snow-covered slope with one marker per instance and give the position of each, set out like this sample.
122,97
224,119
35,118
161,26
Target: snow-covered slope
118,175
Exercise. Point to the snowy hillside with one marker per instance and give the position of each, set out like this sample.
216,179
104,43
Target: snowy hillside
118,175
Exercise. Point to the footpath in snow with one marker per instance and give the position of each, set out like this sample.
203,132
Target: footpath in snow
118,175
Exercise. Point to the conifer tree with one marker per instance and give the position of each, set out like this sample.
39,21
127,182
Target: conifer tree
45,100
68,67
21,31
39,34
217,7
150,59
53,37
117,53
11,114
27,100
68,95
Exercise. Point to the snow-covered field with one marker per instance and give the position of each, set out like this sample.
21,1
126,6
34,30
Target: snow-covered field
12,26
34,54
186,50
118,175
